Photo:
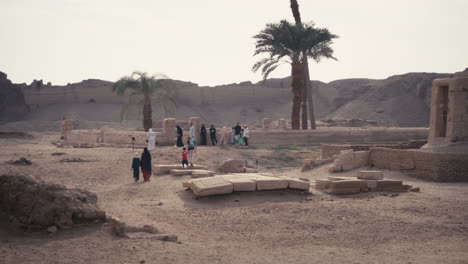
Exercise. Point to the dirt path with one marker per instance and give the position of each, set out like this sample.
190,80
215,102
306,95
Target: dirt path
260,227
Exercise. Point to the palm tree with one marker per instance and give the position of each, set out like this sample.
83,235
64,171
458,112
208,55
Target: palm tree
286,42
143,84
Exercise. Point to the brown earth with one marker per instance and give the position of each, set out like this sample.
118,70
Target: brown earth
260,227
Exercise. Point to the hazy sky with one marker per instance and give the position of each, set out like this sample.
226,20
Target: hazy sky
210,41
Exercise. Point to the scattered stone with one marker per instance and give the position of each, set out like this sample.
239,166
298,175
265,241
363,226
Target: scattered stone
20,161
52,229
416,189
233,166
74,160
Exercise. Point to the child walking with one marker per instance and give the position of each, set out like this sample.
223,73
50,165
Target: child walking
136,167
184,157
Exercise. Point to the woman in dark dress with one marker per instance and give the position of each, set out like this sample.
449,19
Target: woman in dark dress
180,133
203,135
145,164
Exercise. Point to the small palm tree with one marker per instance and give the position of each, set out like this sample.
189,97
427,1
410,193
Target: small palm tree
287,42
141,84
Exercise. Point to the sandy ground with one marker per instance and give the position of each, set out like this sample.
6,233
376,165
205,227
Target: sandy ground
260,227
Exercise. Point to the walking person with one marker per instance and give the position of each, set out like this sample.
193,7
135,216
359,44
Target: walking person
136,167
192,148
151,139
237,132
180,134
185,157
214,141
145,164
203,135
245,134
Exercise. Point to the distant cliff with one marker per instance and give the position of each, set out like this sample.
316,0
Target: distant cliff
400,100
12,103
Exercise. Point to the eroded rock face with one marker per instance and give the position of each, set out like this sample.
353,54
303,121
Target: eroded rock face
33,204
12,103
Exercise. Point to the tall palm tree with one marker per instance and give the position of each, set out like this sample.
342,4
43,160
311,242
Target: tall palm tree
320,52
142,84
286,42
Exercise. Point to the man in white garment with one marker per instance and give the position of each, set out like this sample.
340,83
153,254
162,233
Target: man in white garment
151,138
192,131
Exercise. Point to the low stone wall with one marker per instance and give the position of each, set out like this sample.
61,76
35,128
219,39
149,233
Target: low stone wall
336,135
442,167
329,150
115,137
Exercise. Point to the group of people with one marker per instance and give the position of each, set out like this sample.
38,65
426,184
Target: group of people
143,163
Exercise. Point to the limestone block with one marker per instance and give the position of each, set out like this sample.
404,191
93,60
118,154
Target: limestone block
382,184
233,166
347,187
334,178
266,123
180,172
270,183
169,126
240,184
322,184
298,184
202,173
250,170
370,175
307,164
371,184
187,184
211,186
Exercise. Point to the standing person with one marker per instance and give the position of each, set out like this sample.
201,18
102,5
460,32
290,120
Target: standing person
214,141
192,131
237,130
203,135
136,167
240,139
180,133
145,163
233,136
192,148
184,157
245,134
151,139
224,137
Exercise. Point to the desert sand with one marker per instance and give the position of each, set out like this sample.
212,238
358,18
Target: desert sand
285,226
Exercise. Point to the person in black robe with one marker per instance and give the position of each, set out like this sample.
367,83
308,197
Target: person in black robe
180,133
203,135
145,164
214,141
136,167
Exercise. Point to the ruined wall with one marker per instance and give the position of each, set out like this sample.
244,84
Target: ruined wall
329,150
442,167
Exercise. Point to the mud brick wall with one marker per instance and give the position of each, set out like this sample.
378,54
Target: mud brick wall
441,167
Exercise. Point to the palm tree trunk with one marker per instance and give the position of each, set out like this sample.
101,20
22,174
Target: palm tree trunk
297,86
304,95
309,99
147,112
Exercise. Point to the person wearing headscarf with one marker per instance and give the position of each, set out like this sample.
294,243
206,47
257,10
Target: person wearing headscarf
203,135
180,133
214,141
136,167
151,139
192,131
145,164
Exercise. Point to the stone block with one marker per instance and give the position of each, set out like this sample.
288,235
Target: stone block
298,184
202,173
382,184
322,184
371,184
270,183
250,170
370,175
241,184
211,186
180,172
307,164
187,184
233,166
347,187
161,169
320,161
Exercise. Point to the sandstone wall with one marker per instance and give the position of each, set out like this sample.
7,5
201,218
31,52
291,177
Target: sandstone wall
442,167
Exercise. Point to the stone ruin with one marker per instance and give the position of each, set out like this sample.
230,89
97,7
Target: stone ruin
32,204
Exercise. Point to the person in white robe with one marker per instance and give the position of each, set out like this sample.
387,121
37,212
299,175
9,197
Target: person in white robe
151,138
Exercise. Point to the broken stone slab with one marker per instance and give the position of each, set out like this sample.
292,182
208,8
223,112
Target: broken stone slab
240,183
211,186
321,184
166,168
297,184
233,166
270,183
370,175
202,174
180,172
334,178
347,187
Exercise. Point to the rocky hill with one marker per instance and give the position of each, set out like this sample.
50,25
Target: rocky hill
400,100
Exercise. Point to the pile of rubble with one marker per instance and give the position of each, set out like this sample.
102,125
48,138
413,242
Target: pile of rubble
365,181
